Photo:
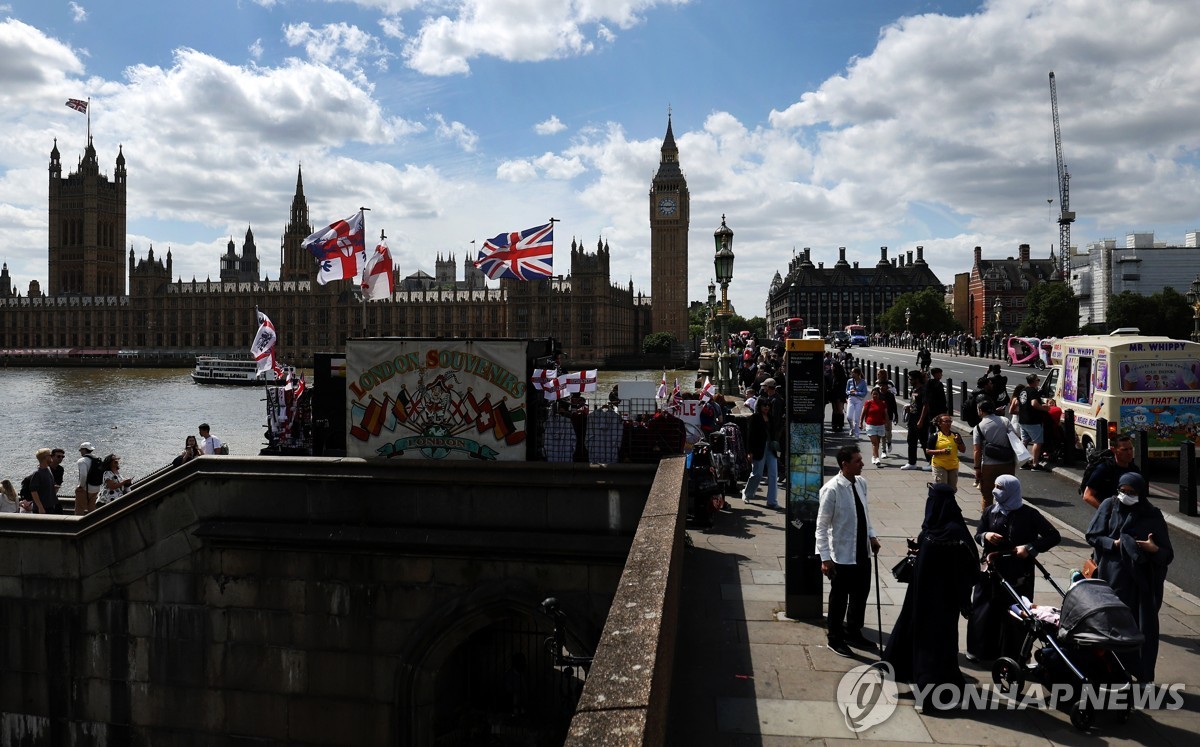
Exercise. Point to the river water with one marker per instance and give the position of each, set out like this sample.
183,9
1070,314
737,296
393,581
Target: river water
144,414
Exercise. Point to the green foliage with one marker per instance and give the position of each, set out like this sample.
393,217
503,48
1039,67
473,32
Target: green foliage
929,314
658,343
1164,313
1051,310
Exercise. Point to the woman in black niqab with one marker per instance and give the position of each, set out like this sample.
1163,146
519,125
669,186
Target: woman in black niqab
923,646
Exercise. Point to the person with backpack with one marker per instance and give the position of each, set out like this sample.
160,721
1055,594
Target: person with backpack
1105,467
91,479
994,455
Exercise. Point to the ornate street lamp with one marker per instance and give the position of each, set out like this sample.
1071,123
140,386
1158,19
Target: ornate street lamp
907,317
998,309
723,264
1193,297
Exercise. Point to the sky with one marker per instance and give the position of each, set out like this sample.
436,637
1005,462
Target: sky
806,123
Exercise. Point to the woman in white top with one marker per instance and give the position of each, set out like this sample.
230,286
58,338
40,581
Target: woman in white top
115,486
8,498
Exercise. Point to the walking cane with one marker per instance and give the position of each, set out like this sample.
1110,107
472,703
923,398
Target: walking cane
878,605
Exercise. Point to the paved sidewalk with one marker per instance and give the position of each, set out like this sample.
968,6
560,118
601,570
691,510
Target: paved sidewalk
746,675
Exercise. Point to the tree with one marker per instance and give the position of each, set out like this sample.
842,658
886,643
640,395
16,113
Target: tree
929,313
1164,313
658,343
1051,310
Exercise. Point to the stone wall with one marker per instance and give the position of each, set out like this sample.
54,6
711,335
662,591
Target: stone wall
306,601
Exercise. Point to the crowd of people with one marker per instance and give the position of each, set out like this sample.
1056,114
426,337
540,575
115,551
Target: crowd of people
958,571
97,480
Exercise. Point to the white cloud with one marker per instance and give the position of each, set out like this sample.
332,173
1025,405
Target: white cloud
78,12
339,45
457,132
521,31
550,126
256,49
516,171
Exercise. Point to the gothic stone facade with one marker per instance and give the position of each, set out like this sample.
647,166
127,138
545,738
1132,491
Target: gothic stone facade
87,306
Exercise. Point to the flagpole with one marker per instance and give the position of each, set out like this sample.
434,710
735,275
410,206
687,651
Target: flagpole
554,323
89,117
363,277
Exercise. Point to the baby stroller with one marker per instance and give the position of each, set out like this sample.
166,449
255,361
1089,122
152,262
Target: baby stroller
1080,650
705,496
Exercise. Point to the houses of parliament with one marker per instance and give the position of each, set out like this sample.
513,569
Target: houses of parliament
99,296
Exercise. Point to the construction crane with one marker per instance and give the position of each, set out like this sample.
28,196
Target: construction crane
1065,216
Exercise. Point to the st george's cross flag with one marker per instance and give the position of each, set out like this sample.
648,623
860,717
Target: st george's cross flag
519,255
662,387
339,247
78,105
263,347
707,391
378,281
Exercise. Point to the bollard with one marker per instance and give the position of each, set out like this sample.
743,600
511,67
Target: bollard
1069,435
1187,478
950,397
1143,448
1101,434
904,385
963,393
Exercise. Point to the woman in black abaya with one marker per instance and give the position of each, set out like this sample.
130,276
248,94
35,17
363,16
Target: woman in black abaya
923,646
1133,550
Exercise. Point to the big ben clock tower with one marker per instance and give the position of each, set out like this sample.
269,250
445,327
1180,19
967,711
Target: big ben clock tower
670,210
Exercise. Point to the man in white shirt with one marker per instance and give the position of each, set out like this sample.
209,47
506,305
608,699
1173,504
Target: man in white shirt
843,535
85,495
209,444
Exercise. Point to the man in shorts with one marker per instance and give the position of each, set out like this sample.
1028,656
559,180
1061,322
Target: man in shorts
1030,409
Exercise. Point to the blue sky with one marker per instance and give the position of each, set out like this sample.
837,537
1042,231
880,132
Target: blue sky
808,124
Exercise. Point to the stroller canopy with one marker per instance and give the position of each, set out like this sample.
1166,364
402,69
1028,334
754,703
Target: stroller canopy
1093,615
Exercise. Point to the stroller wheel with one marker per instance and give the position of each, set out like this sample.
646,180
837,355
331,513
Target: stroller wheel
1006,672
1082,716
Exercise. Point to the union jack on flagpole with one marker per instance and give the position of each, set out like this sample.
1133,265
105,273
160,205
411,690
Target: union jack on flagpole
519,255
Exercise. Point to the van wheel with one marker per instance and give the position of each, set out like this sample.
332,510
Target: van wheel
1089,449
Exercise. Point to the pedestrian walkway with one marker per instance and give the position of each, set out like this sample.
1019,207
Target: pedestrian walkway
746,675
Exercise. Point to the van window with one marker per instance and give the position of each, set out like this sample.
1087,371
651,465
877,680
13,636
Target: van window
1159,376
1077,379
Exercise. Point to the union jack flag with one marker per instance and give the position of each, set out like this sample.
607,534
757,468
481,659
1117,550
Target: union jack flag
520,255
78,105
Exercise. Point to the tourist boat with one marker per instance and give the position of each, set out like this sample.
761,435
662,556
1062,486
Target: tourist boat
214,370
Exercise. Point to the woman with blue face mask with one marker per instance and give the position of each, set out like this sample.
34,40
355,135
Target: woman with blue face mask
1011,534
1132,551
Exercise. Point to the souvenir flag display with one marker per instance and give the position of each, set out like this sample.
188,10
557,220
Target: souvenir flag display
263,347
554,386
519,255
676,396
338,247
378,281
662,387
578,383
78,105
706,391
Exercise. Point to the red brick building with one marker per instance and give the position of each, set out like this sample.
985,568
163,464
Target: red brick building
1007,281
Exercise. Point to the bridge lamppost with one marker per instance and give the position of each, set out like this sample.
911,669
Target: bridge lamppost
706,345
1193,297
723,264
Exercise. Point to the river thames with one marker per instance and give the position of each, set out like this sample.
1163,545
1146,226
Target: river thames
144,414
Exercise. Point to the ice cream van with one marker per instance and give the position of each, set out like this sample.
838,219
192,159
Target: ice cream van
1137,383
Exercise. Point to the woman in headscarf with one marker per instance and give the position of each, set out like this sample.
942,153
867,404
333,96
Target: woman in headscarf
1132,552
923,646
1012,534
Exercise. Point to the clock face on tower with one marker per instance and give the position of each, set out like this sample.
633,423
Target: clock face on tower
666,206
